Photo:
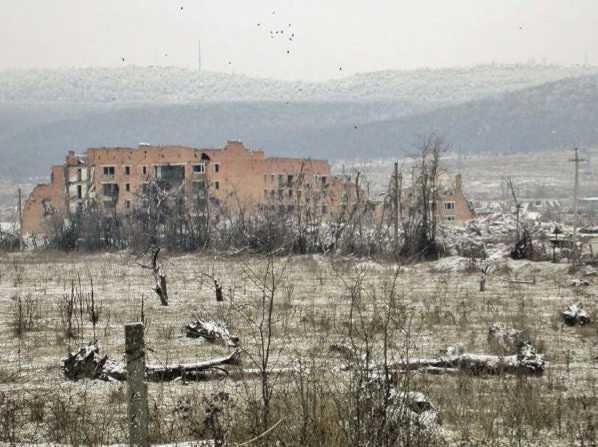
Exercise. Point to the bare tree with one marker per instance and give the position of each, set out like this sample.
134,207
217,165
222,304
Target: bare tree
420,224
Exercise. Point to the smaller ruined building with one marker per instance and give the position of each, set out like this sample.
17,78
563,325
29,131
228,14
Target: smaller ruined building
233,177
453,207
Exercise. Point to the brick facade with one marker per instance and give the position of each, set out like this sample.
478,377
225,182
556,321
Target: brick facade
232,177
452,204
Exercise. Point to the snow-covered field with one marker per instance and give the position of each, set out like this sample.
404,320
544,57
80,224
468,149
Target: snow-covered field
442,309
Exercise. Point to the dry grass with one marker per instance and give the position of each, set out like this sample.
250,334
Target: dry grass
38,405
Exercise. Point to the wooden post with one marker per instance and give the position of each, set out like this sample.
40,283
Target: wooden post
137,408
397,200
20,215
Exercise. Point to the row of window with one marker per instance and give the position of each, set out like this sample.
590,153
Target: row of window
290,193
290,179
200,168
112,189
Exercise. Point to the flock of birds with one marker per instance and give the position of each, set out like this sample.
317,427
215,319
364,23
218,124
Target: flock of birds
274,34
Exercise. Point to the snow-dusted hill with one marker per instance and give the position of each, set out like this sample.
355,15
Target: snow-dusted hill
554,115
134,84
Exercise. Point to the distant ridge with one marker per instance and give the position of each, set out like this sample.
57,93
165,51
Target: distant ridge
135,84
475,109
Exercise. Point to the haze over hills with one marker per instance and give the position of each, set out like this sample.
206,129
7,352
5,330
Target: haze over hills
43,113
134,84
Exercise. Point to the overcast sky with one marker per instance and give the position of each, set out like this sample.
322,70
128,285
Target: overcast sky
332,38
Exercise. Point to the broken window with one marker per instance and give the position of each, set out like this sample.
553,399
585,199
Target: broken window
79,192
127,170
144,170
217,185
290,193
324,178
108,171
47,207
128,187
216,167
199,189
199,168
170,176
289,181
110,190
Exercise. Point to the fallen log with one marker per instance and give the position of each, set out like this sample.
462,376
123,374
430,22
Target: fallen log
189,371
574,314
212,331
526,362
87,363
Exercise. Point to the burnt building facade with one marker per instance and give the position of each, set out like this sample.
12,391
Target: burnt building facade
232,177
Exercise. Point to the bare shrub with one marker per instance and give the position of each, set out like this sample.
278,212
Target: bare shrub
26,314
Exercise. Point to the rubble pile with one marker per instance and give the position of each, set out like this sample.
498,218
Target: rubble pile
575,315
493,236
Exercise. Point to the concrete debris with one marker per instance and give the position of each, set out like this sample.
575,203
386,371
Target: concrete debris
212,331
575,315
490,235
579,283
588,270
506,340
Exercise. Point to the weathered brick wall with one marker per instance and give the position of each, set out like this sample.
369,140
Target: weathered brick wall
235,176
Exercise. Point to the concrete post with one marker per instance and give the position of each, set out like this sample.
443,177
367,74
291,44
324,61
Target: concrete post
137,409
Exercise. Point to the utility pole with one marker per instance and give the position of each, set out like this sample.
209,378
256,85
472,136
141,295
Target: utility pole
575,160
397,200
20,216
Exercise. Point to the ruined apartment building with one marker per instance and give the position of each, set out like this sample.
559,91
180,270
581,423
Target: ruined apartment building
232,177
453,207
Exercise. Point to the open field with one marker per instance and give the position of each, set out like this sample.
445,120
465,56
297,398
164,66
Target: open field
312,309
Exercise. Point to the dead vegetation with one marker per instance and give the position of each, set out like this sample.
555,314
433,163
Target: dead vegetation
284,382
